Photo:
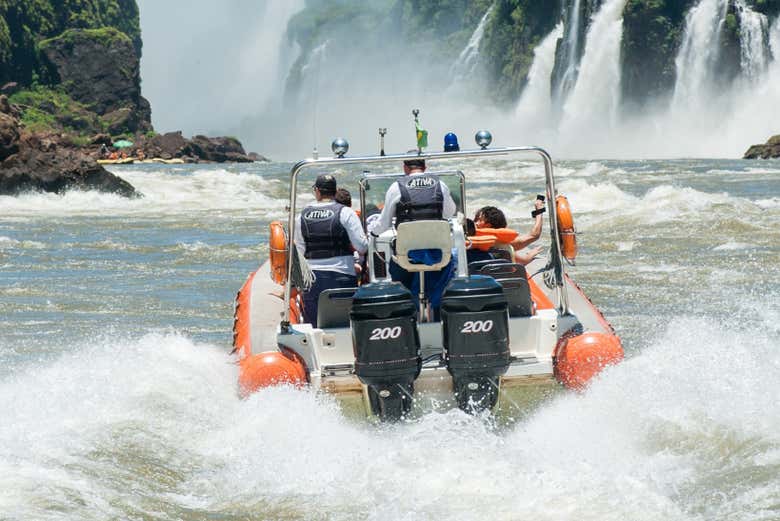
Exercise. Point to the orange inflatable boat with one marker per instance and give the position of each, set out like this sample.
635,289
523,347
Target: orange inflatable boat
495,332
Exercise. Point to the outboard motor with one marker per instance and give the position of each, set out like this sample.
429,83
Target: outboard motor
475,321
386,345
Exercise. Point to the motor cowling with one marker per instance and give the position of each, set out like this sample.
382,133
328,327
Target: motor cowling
475,325
386,345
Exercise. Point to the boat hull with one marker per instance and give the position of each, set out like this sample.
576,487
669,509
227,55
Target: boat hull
540,345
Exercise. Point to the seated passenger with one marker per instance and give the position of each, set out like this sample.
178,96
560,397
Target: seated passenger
343,197
492,217
475,254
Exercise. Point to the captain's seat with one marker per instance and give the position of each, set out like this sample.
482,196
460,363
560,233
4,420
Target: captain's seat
424,247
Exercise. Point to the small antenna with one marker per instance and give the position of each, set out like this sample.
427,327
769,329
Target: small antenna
382,132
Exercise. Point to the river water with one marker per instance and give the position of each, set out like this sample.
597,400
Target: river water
118,397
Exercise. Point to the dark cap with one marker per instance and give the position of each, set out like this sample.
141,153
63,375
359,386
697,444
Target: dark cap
414,163
325,183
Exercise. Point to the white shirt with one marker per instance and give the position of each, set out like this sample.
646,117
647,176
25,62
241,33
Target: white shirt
344,263
393,197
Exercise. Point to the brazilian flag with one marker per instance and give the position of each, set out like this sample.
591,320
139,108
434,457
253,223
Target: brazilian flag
422,135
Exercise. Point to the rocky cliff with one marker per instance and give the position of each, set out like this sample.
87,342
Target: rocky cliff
73,66
100,69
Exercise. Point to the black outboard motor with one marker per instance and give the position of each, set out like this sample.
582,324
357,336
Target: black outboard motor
476,339
386,346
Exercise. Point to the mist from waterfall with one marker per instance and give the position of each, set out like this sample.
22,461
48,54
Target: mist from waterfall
367,81
231,63
704,115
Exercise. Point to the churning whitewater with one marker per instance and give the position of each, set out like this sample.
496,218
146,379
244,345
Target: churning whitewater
119,397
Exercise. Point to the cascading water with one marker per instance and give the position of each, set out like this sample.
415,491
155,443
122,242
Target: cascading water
595,99
534,110
753,30
468,59
310,77
257,65
698,55
571,53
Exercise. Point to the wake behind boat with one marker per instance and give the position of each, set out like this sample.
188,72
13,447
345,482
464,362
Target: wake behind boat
504,332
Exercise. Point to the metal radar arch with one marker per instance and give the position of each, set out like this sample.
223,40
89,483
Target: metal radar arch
554,270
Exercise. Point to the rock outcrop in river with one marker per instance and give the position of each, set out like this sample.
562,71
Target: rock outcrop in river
47,162
769,150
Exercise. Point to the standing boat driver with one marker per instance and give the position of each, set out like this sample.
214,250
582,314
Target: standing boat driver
414,197
326,235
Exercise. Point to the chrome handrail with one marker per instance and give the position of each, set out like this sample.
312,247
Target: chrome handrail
555,262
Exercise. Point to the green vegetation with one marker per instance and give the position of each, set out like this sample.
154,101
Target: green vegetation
516,28
104,36
51,109
25,23
651,38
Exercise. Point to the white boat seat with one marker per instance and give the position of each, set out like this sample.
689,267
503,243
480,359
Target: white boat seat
423,235
513,280
333,306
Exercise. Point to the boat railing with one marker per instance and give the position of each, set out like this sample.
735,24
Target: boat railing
555,264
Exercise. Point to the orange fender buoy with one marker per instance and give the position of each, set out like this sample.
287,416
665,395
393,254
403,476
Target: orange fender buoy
277,247
580,358
502,235
566,229
241,322
267,369
481,242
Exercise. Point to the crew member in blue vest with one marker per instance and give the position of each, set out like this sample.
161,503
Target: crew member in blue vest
327,234
414,197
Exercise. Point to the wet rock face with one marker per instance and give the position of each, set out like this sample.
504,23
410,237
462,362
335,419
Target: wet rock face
47,163
101,69
769,150
219,149
199,148
9,136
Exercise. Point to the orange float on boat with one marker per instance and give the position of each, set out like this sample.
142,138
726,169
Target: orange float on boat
566,229
277,247
579,358
502,235
267,369
481,242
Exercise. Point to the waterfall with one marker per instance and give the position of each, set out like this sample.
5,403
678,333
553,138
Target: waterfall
468,59
696,61
310,79
595,99
534,108
266,58
571,53
753,41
